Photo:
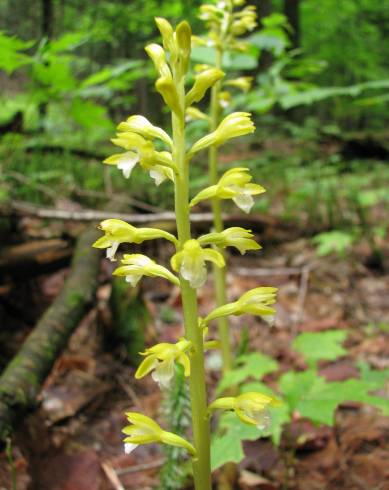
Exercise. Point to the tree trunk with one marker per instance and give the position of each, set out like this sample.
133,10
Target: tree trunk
20,382
292,12
264,8
47,18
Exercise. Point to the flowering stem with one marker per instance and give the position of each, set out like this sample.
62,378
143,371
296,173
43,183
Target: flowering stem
200,422
219,273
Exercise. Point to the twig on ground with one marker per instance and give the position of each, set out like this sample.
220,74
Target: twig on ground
112,476
141,467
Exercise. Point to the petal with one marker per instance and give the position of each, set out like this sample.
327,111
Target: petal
164,373
133,279
244,201
111,251
185,363
214,256
129,447
147,365
194,271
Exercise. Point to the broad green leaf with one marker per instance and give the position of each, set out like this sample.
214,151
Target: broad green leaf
320,345
312,397
227,446
89,114
378,377
231,61
253,365
333,241
11,56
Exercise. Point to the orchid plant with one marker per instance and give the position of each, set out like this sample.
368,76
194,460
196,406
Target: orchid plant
142,143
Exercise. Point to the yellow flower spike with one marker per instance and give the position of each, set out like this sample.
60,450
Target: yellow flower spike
203,82
255,302
234,184
190,262
117,231
232,126
160,360
168,90
141,125
167,33
251,408
144,430
135,266
158,56
242,83
193,114
231,237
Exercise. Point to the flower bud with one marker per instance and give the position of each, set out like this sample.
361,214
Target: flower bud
192,114
184,41
166,31
165,86
203,82
243,83
232,126
190,262
158,56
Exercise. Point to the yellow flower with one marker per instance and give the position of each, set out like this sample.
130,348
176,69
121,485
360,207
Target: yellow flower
161,358
251,407
203,82
243,83
140,125
192,114
117,231
190,262
232,126
142,151
234,184
231,237
136,266
165,86
144,430
255,302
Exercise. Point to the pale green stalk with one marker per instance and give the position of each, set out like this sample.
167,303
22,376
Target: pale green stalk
197,387
219,274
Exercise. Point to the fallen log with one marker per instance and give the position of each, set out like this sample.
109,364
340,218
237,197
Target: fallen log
33,257
21,380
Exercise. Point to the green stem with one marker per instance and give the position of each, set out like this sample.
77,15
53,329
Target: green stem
219,274
197,387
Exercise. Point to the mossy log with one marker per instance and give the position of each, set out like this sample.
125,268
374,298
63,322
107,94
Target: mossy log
21,380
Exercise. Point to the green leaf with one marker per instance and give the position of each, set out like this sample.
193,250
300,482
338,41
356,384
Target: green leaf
312,397
253,365
227,446
320,345
231,61
89,114
11,58
333,241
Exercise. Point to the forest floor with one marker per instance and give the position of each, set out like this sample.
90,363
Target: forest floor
73,441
